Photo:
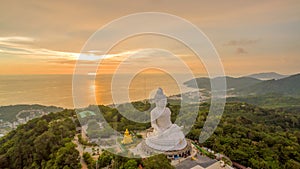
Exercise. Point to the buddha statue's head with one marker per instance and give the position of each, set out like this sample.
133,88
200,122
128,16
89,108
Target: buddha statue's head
160,98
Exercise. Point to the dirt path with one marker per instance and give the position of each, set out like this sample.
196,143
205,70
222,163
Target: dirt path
80,149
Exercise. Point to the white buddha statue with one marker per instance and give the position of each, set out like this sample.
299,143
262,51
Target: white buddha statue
165,136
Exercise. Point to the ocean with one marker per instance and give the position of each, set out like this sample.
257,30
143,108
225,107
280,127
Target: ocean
56,90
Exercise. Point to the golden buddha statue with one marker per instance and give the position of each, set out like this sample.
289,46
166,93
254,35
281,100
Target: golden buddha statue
127,138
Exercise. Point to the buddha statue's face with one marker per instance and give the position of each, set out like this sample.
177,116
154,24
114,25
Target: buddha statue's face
161,103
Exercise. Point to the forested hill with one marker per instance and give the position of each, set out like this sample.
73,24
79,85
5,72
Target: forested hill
8,113
289,86
271,100
44,142
254,136
236,83
247,134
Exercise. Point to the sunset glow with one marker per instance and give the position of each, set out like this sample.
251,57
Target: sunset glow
47,37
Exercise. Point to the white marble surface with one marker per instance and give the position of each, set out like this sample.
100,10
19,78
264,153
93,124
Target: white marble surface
166,136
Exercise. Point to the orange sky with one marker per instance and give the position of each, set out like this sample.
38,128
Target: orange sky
250,36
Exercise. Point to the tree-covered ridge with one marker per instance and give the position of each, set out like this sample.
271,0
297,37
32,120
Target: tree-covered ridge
107,159
44,142
289,86
8,113
250,135
247,134
271,100
255,137
231,82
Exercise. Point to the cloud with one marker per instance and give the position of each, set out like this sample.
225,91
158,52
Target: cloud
242,42
16,39
241,51
15,46
20,46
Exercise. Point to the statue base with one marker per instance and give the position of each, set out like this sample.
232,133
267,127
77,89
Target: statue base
173,155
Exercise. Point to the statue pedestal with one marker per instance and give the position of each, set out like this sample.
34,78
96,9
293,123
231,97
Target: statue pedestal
172,154
170,139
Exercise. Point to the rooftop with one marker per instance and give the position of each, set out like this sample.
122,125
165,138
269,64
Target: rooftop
202,162
84,114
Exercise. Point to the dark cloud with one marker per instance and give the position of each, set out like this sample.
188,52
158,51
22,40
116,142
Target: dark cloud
242,42
241,51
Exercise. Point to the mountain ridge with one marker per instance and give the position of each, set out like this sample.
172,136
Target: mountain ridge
246,85
267,76
287,86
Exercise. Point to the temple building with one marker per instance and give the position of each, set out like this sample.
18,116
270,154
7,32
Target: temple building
202,163
127,138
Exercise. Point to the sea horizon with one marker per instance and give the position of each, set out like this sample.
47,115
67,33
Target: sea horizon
56,89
